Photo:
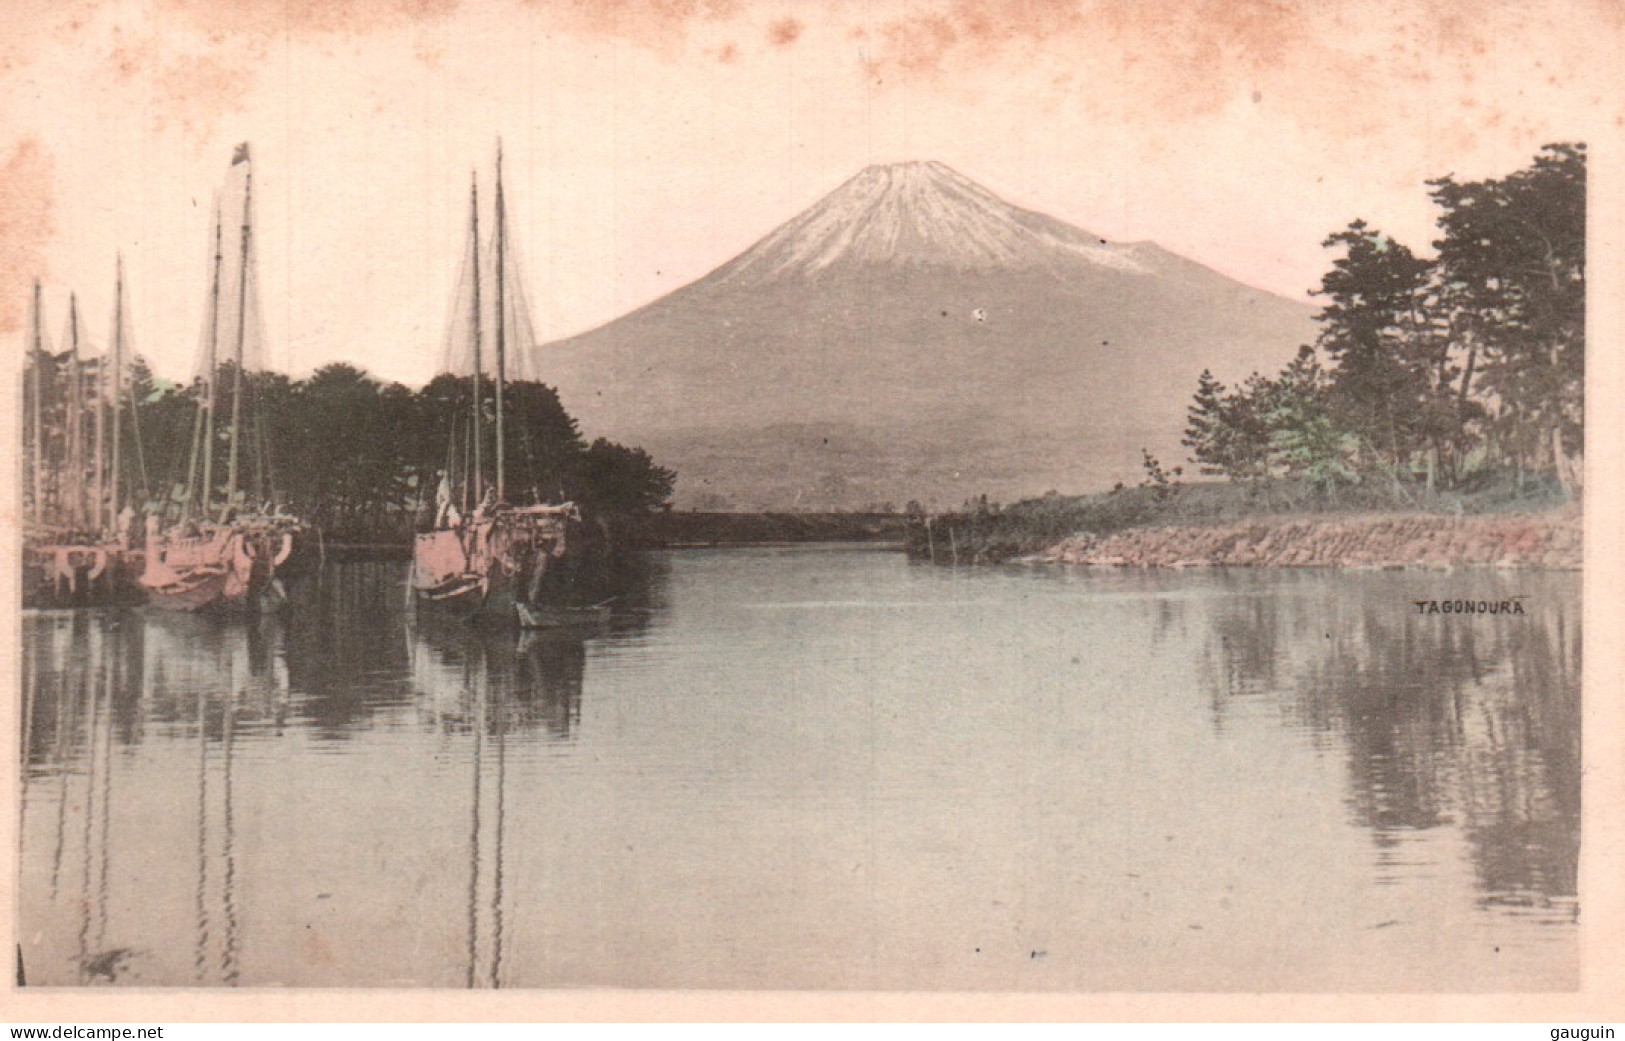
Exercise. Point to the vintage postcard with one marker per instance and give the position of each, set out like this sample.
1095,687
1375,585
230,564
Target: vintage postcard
743,508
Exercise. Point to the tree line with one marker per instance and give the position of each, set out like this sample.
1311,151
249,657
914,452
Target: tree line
1436,372
359,458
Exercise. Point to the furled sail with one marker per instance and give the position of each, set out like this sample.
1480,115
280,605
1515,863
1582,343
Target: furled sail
234,322
491,283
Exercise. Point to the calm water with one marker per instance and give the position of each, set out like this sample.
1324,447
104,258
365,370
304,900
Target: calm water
808,768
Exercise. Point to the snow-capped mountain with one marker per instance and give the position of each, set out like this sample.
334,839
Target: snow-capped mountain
920,215
914,336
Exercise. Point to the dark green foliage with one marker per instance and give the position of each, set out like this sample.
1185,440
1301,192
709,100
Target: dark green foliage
1163,484
1227,431
362,459
617,479
165,414
342,460
546,456
1374,336
1307,440
1208,431
1512,278
1434,369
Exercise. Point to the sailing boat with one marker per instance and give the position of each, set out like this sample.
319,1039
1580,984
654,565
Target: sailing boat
485,556
222,554
79,547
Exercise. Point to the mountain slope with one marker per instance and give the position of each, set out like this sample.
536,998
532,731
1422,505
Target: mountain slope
913,336
918,215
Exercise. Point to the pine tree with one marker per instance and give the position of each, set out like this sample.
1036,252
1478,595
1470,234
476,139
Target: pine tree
1372,332
1306,440
1513,262
1205,426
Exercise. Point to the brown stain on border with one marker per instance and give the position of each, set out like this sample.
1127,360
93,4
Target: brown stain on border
1343,62
204,72
661,26
26,227
1187,39
784,32
1164,61
271,19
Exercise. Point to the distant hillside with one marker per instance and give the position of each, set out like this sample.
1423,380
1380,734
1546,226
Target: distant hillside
913,336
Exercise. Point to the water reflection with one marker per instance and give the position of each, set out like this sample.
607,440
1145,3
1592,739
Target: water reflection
218,675
342,658
491,680
483,685
771,765
100,683
1442,720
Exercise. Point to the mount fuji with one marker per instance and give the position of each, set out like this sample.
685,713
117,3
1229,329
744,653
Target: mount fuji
914,336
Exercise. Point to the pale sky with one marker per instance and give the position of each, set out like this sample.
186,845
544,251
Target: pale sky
647,143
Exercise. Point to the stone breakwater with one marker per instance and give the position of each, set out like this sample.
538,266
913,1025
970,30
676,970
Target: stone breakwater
1531,540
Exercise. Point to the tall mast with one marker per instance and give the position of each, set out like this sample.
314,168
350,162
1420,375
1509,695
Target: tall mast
501,252
36,406
117,389
98,466
211,364
75,403
135,439
237,357
474,210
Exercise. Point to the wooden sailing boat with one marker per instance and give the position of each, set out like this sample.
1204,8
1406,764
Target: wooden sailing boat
486,556
78,547
222,554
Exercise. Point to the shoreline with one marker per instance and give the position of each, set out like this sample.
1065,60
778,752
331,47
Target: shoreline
695,530
1550,539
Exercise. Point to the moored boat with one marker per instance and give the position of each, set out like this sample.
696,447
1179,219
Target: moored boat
224,555
79,548
485,556
561,616
490,562
207,564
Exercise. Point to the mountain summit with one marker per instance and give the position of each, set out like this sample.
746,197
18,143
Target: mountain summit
912,335
919,214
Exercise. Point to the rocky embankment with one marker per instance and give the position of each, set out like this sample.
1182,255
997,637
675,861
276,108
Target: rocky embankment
1546,540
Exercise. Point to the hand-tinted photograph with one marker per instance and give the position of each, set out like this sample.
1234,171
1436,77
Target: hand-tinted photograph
968,495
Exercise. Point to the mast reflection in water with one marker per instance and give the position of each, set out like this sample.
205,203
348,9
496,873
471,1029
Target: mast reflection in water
478,686
807,768
153,737
100,690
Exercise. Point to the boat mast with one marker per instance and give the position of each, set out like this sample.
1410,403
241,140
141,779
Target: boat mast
75,403
135,439
237,358
37,407
203,433
501,251
98,466
117,349
474,210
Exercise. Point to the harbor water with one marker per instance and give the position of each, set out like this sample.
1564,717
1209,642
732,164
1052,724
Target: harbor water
818,768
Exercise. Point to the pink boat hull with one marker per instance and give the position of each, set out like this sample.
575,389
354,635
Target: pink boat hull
477,567
223,566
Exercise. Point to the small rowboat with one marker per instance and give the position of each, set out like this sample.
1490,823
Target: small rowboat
553,616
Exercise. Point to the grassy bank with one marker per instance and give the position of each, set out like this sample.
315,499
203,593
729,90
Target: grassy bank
1549,539
989,533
